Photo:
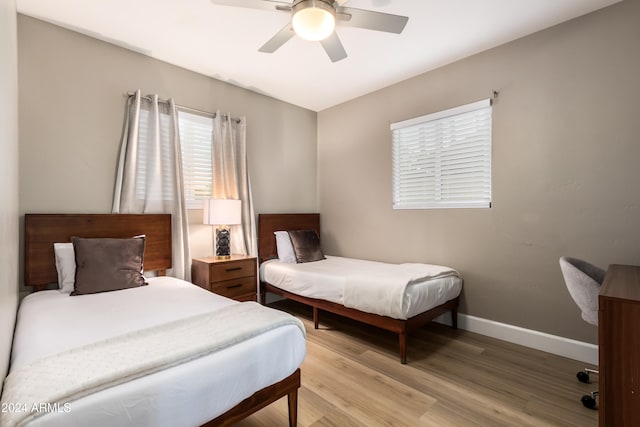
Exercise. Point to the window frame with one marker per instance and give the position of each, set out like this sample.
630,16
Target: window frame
443,160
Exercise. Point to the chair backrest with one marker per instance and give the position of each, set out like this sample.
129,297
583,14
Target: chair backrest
583,282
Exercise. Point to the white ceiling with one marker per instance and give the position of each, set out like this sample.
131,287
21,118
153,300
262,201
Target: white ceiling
222,41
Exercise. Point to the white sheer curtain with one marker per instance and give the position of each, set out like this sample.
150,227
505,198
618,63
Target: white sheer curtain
231,178
149,176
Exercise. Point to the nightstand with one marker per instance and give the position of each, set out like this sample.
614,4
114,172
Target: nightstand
234,277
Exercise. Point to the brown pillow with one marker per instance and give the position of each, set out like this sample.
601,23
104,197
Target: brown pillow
107,264
306,245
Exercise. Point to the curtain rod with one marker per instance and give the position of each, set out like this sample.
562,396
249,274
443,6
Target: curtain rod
205,113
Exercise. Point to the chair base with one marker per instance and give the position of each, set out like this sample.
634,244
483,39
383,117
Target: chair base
588,400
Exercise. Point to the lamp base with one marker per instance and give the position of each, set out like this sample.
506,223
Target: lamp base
223,242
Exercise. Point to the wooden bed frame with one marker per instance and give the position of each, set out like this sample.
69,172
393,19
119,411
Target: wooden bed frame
268,223
41,231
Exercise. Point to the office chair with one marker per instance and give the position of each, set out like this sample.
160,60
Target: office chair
583,282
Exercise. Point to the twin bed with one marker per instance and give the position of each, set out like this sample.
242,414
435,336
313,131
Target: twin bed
397,297
140,339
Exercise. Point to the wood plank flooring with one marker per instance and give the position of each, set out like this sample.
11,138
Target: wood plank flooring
352,377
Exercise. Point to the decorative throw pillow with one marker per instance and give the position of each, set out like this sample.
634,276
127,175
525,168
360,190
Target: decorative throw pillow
284,247
104,265
306,245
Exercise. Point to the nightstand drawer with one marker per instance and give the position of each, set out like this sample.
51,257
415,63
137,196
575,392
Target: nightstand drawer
232,270
235,287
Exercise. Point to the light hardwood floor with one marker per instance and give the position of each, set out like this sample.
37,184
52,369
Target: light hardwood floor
352,377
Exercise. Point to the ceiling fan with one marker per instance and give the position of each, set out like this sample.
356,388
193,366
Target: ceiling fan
315,20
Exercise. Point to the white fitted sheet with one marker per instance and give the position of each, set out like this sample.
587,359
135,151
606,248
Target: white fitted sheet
185,395
326,280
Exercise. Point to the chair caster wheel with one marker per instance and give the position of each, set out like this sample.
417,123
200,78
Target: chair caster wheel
583,377
588,401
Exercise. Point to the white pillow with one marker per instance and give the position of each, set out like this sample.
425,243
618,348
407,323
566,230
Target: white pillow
285,247
66,266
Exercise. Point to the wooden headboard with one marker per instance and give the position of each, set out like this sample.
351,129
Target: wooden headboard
41,231
268,223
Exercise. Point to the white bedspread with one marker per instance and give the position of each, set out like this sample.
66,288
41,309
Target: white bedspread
185,394
69,375
380,288
418,287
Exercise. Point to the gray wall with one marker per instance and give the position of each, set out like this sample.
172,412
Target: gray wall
8,180
566,147
71,116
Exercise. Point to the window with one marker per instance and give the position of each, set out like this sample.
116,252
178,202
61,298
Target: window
196,132
443,160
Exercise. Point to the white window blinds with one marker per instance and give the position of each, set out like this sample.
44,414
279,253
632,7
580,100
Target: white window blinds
196,133
443,160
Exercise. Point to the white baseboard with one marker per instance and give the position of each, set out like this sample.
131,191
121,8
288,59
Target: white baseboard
577,350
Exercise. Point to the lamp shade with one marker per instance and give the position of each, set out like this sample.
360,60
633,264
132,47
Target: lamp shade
222,212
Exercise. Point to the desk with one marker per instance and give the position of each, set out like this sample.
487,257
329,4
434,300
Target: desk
619,346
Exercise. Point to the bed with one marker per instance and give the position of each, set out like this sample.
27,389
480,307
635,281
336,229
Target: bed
298,282
152,325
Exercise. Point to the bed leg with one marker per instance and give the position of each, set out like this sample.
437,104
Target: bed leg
263,295
454,318
292,400
403,348
316,317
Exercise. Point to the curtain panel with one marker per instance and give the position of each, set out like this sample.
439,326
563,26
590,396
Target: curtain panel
231,178
149,176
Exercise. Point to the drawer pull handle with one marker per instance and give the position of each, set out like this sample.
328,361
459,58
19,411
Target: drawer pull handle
234,269
234,286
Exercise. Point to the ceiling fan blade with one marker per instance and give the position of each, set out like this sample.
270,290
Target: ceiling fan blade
280,38
371,20
256,4
334,48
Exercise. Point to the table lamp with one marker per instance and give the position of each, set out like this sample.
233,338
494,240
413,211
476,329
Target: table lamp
222,213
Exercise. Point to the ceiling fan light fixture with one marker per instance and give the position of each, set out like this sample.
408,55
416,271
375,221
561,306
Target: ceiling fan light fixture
313,20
